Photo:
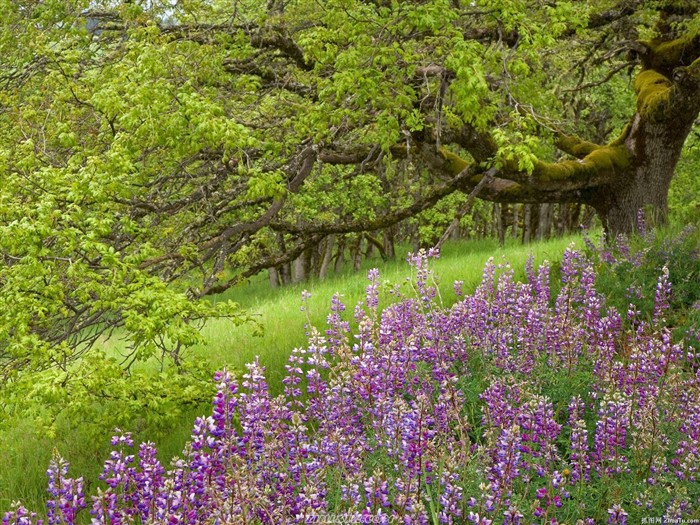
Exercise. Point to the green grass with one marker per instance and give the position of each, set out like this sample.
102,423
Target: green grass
278,311
26,452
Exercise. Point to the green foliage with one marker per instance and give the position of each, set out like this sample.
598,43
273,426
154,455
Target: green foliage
150,150
628,270
684,195
98,394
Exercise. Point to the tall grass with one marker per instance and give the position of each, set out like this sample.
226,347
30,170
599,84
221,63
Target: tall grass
25,451
278,310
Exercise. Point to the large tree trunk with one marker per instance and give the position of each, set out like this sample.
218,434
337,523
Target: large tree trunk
655,148
619,179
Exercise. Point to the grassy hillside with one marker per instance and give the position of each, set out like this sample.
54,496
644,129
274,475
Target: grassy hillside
278,311
27,451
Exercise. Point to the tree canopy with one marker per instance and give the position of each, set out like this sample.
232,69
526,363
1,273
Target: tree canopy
153,152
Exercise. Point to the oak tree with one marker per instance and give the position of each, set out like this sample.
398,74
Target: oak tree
153,153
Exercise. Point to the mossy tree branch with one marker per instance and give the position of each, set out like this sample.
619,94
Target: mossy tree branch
575,146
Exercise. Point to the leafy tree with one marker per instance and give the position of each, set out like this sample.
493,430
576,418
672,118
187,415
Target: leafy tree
147,147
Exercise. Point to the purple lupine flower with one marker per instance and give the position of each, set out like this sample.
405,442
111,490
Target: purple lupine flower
512,516
66,494
617,515
611,434
578,458
641,223
338,329
148,481
476,519
450,499
539,430
687,455
663,296
19,515
505,467
372,292
500,401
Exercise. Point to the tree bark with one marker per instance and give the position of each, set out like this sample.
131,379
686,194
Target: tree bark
545,223
301,266
274,277
656,148
339,255
357,254
499,224
527,223
327,257
389,249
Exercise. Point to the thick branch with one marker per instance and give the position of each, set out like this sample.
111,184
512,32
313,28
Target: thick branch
269,261
565,181
575,146
666,99
664,56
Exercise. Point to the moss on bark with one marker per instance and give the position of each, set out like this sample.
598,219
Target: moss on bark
665,55
600,162
575,146
653,94
456,164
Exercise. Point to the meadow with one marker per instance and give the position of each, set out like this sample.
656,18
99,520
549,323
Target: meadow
525,400
27,449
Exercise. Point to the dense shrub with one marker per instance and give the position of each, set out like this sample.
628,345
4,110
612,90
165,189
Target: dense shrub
629,266
510,406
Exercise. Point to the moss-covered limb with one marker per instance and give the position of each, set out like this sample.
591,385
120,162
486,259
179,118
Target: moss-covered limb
687,79
664,99
664,56
575,146
509,192
480,144
653,94
501,188
453,163
599,167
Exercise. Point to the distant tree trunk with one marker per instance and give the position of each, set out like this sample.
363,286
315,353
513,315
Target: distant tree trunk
357,254
516,221
327,257
587,216
389,236
284,270
544,224
563,220
340,254
301,266
499,223
274,277
575,217
493,223
527,223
